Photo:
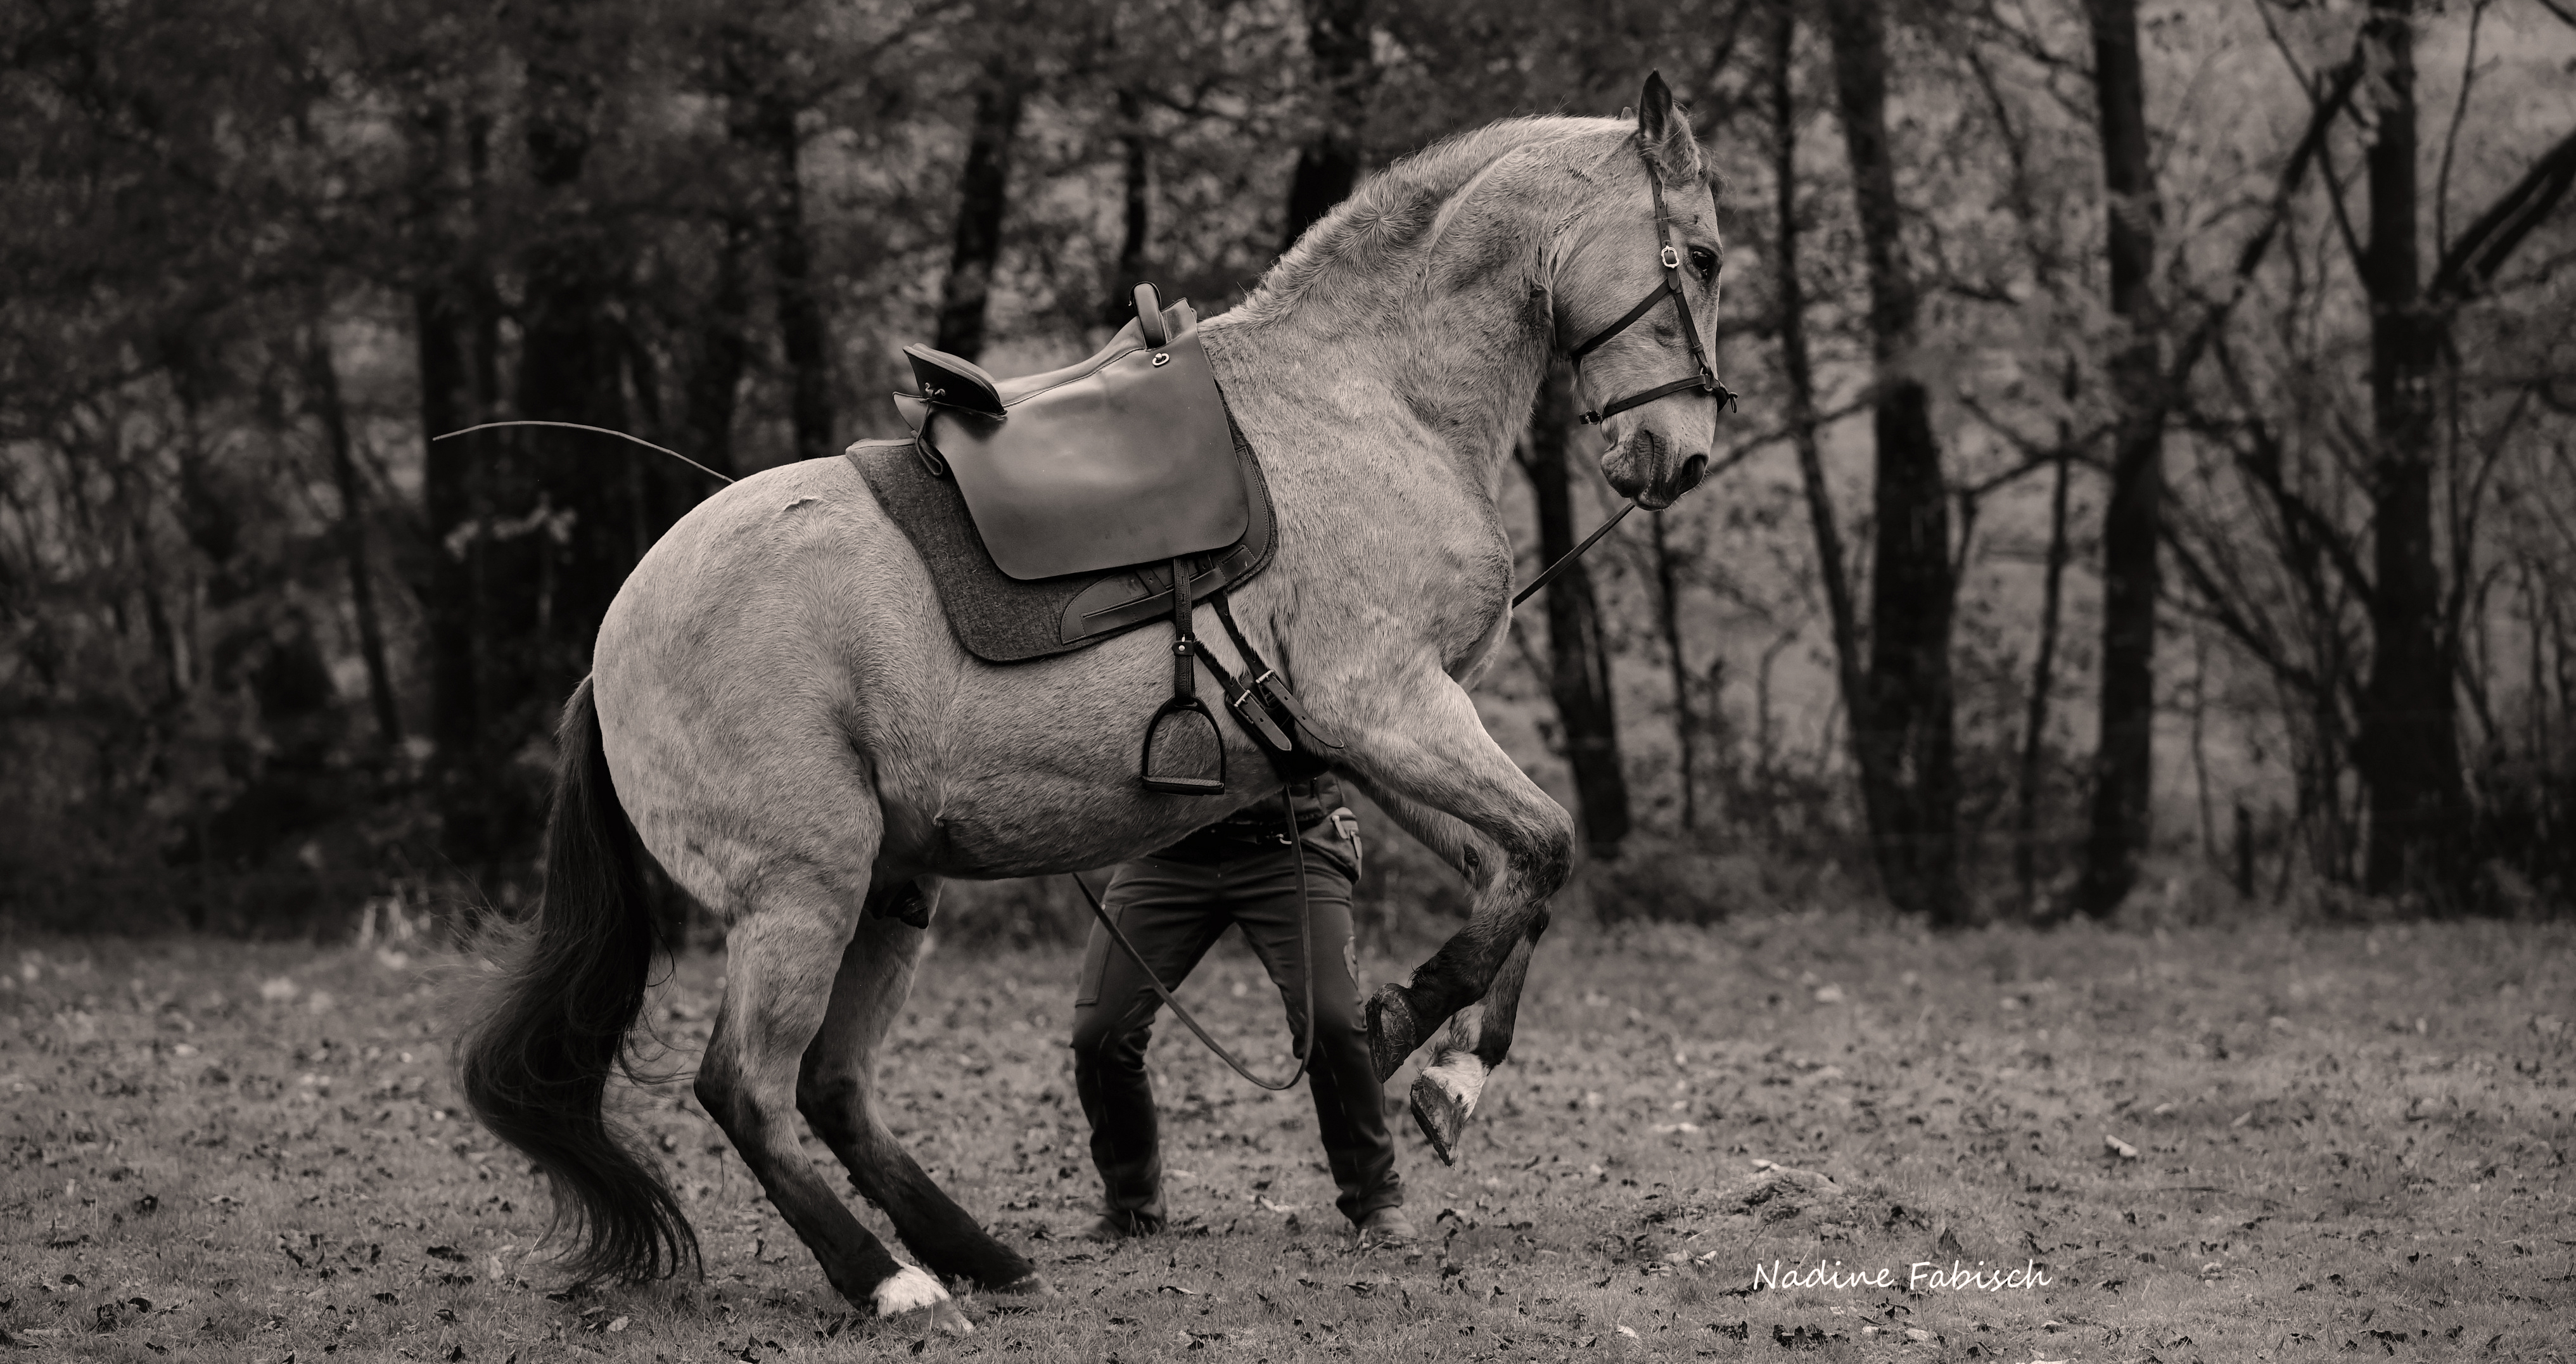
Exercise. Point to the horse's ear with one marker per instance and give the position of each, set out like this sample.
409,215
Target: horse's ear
1654,108
1666,131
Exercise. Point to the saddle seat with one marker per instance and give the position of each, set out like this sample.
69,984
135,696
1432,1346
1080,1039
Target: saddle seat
1125,458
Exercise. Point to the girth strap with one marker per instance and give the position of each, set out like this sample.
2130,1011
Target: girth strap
1271,687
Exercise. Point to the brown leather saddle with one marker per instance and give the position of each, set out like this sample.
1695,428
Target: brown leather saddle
1125,458
1061,509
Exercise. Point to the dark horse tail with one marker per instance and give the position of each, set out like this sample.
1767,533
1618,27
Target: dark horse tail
535,1067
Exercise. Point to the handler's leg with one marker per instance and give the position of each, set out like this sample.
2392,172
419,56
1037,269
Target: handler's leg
1350,1107
1167,910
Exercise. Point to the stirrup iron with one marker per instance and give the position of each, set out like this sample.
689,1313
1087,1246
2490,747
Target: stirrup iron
1184,722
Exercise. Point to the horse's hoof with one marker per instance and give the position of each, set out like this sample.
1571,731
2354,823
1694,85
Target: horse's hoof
911,1289
1443,1097
1393,1034
1019,1295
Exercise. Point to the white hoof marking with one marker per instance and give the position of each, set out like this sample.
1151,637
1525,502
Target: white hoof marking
909,1290
1461,1076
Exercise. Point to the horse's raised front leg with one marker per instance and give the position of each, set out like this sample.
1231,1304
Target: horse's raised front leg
1479,1038
837,1089
1445,1093
1424,743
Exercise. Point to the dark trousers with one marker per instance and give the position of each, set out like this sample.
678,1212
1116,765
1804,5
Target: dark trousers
1174,912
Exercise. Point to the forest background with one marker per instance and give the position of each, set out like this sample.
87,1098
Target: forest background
2152,482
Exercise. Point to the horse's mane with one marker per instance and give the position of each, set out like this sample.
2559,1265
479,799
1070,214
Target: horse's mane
1393,208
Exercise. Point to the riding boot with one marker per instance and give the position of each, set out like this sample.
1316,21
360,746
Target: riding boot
1164,908
1118,1099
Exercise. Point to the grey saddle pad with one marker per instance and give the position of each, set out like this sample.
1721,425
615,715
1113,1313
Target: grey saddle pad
1002,619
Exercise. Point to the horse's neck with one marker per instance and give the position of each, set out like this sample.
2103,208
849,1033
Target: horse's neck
1446,341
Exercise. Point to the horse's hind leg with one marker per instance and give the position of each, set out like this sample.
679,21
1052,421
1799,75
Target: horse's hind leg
837,1085
780,958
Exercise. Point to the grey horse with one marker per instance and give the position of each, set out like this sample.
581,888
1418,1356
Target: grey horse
778,715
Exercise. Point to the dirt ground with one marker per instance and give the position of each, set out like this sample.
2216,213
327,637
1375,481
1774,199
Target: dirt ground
1782,1132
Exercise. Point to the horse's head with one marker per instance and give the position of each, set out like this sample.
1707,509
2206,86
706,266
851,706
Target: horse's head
1636,290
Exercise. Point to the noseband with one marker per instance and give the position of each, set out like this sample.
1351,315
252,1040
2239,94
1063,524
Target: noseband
1704,380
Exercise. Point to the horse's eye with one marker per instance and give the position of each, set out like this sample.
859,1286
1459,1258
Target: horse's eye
1705,261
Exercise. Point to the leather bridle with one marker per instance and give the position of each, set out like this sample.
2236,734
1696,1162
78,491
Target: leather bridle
1704,377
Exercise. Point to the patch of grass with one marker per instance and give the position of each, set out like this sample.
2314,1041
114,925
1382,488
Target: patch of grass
2346,1139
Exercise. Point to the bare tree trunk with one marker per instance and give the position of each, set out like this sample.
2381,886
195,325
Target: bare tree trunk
1911,588
2123,762
325,377
1338,41
2043,679
804,333
2200,746
1876,784
1579,664
1139,202
457,333
2409,746
1668,620
447,403
570,354
710,391
983,199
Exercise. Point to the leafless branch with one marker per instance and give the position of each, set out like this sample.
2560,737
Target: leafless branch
2249,258
2451,135
2472,261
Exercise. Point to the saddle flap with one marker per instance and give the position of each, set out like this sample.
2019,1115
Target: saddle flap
952,381
1124,459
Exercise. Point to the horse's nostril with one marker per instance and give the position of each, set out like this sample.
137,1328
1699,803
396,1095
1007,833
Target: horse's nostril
1694,469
